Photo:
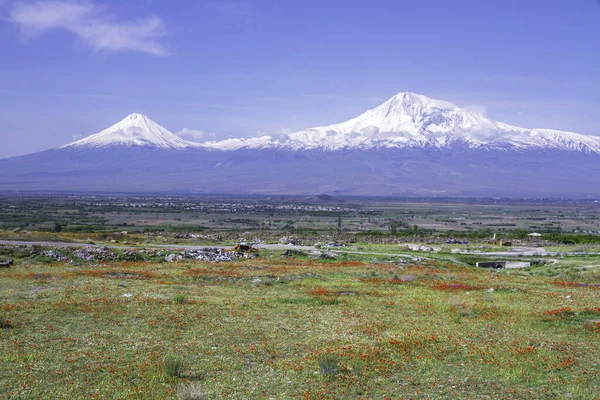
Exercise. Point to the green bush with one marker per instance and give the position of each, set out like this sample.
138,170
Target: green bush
173,365
5,322
179,299
329,365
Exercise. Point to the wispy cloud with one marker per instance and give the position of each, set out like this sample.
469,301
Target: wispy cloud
194,134
90,24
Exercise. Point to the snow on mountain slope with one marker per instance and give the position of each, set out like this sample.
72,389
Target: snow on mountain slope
407,120
410,120
135,130
416,115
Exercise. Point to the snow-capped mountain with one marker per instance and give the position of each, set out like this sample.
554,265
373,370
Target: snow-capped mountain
410,120
409,145
135,130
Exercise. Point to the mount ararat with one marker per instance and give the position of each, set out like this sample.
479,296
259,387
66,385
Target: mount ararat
409,145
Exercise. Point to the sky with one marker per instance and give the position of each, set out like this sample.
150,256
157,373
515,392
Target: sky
222,68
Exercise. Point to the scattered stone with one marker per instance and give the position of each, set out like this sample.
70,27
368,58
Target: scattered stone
418,247
173,257
324,255
95,253
56,256
131,255
290,240
456,241
212,254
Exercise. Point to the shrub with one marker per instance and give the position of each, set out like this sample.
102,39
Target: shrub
5,323
329,365
179,299
267,281
173,365
191,391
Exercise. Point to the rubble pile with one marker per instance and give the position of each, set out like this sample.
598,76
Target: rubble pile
213,237
56,256
95,253
292,240
131,255
212,254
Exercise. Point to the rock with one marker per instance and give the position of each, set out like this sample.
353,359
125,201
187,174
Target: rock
209,254
291,240
418,247
94,253
324,255
173,257
56,256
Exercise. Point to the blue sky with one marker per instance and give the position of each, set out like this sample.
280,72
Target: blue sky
239,67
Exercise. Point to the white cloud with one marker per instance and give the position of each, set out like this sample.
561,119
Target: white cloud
87,22
76,137
194,134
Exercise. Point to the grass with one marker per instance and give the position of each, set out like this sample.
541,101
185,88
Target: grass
190,392
288,328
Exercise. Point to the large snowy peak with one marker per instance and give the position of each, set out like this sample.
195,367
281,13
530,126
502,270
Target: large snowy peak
418,116
410,120
135,130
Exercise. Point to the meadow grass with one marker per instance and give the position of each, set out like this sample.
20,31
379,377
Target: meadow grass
273,328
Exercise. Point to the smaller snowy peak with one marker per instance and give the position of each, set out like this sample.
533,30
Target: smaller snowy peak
135,130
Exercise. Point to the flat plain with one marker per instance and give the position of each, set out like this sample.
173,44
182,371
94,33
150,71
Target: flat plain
379,307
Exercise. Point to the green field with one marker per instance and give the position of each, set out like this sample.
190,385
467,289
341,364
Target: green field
275,328
377,307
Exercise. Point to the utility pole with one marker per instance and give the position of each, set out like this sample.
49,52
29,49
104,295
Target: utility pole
340,224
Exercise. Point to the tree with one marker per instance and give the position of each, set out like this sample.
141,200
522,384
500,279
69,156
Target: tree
57,227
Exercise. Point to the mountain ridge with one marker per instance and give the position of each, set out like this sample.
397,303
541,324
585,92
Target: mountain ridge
406,120
410,120
443,150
